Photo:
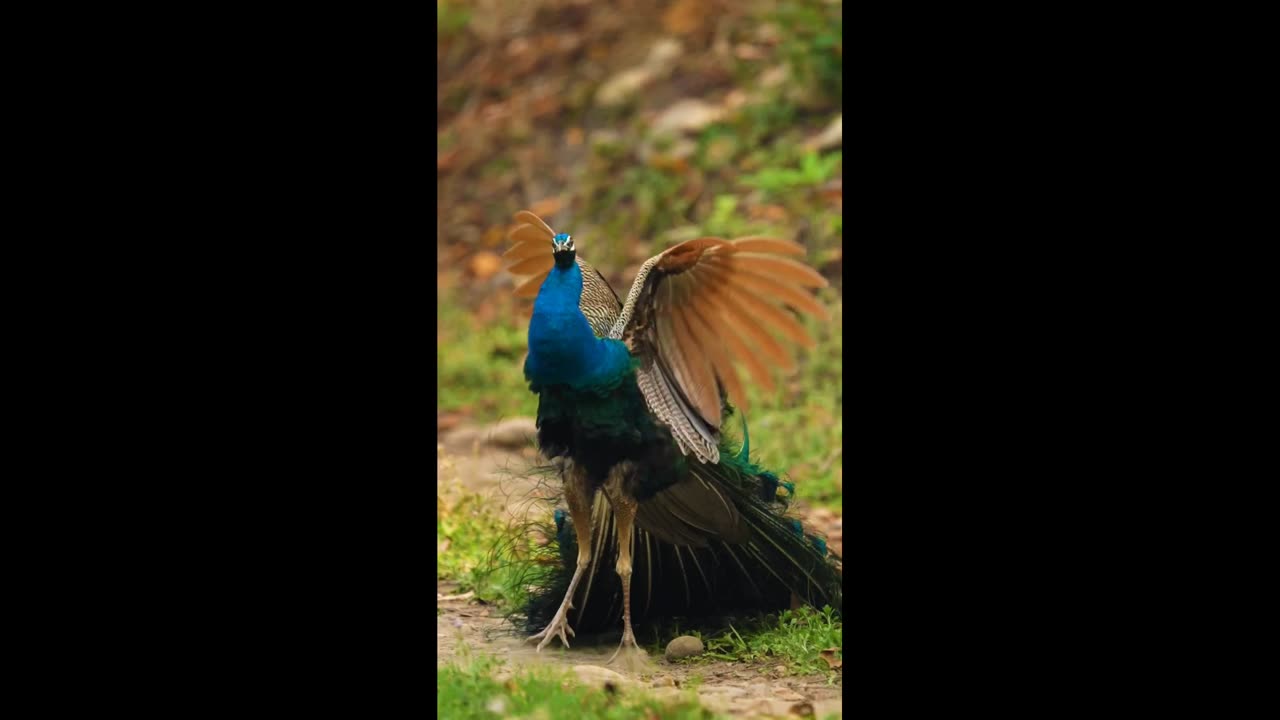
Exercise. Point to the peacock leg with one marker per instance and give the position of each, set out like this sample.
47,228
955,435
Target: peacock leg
624,509
577,494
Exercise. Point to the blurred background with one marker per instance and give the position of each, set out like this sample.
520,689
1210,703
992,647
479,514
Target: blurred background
634,125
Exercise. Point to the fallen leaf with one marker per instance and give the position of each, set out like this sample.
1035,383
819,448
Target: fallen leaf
573,136
484,264
688,115
442,546
830,656
685,17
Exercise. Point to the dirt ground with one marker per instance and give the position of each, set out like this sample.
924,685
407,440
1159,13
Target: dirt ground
486,457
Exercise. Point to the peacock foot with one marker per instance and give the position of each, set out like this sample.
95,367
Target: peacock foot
629,645
556,628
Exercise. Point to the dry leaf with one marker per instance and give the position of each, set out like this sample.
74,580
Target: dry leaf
830,656
685,16
484,264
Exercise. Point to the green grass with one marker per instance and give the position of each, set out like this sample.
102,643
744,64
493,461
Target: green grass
451,19
813,171
469,690
478,361
795,638
484,554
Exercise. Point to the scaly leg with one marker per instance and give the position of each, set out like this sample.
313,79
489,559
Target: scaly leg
577,494
624,509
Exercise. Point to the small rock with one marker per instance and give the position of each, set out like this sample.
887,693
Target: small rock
598,676
684,646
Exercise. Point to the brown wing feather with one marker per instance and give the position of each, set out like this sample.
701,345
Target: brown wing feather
724,297
740,351
766,244
768,314
786,293
530,254
525,216
524,251
530,233
529,288
704,393
533,265
701,326
708,305
783,268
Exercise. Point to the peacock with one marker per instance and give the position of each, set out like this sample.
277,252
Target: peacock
632,399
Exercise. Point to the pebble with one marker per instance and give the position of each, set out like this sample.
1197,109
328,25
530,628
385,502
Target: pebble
598,676
684,646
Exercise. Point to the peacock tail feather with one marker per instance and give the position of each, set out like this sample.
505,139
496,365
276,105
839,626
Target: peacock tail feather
715,578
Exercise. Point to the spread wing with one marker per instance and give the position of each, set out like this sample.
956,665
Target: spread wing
532,258
700,308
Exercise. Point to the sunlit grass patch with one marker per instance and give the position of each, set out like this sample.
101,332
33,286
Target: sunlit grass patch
794,638
478,360
483,552
471,690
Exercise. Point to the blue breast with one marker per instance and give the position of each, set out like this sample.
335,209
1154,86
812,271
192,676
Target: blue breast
562,348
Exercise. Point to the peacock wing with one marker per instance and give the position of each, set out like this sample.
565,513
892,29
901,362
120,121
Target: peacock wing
700,308
530,259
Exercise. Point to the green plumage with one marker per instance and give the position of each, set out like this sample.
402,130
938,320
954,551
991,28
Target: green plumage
708,575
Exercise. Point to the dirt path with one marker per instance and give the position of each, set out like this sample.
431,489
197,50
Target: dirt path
491,460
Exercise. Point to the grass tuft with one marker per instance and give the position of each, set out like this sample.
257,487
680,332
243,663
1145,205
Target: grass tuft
471,690
795,638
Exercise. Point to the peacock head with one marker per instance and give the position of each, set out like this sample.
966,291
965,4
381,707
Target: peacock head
562,247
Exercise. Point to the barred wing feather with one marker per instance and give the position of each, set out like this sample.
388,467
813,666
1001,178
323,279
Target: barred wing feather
703,306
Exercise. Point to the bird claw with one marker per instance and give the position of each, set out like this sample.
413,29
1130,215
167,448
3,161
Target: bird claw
556,628
628,638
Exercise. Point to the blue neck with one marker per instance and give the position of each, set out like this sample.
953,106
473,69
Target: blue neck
562,348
